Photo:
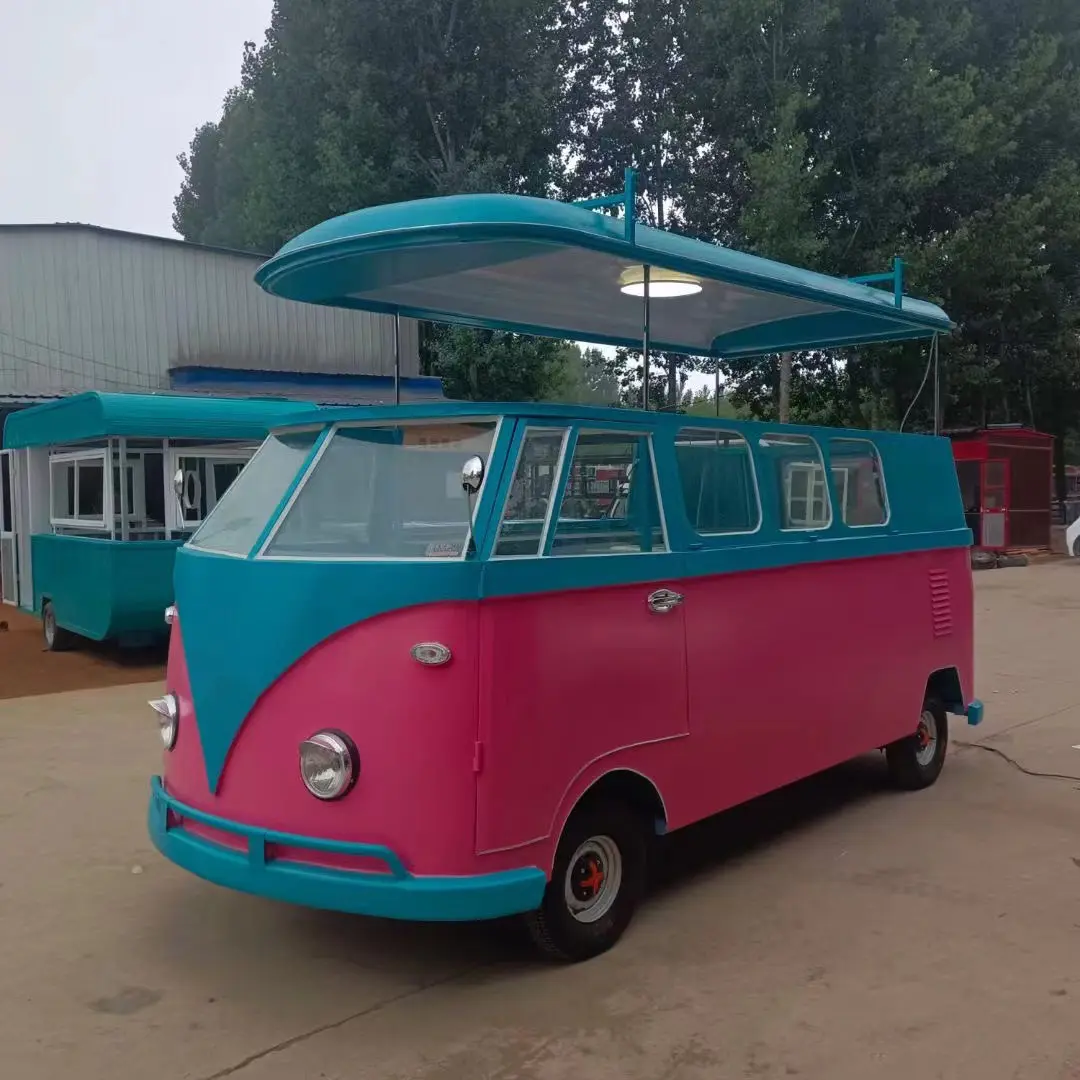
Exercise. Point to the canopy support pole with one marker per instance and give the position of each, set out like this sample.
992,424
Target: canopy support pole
937,385
645,345
397,358
895,277
718,388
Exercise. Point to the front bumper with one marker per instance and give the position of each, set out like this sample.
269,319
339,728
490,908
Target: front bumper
396,894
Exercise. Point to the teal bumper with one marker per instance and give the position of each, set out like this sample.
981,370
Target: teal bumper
397,894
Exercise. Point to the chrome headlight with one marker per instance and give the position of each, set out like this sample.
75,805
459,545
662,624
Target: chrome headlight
168,713
328,764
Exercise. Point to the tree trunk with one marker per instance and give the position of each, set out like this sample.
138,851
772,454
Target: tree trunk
784,408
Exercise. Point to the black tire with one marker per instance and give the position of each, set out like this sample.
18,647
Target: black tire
554,928
57,639
910,767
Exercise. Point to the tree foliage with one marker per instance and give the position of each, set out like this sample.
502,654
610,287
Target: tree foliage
834,134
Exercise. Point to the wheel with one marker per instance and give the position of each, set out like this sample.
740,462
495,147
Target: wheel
57,639
596,883
916,760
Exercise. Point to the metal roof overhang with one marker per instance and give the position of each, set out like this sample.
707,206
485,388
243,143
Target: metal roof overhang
536,266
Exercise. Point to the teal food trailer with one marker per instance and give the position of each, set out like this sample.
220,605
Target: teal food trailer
89,552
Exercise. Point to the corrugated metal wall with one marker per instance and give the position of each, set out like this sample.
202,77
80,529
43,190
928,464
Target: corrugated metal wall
86,308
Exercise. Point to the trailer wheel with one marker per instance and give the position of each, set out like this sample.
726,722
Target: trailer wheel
57,639
916,760
596,883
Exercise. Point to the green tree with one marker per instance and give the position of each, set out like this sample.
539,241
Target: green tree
352,103
491,365
589,377
629,107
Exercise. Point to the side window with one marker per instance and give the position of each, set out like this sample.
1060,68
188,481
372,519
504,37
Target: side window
522,524
77,491
717,475
858,485
800,475
610,503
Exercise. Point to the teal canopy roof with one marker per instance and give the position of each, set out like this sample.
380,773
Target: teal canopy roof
147,416
550,268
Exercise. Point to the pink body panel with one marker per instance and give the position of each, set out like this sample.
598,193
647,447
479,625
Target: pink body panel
757,680
570,681
792,671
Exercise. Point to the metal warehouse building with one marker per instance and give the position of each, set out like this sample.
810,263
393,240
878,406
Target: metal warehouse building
87,308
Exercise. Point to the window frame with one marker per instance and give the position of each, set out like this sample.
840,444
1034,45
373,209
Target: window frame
751,458
781,477
275,521
566,464
211,455
503,494
99,456
883,487
815,472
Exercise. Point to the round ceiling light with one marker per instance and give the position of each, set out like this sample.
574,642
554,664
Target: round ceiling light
662,283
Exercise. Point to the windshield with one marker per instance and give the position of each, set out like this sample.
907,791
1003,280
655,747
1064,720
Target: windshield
235,524
386,492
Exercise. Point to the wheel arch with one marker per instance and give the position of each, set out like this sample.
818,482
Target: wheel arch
624,784
946,686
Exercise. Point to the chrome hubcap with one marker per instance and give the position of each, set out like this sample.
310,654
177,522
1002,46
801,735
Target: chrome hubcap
593,878
926,737
50,626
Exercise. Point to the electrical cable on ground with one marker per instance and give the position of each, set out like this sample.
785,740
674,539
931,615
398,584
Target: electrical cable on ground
1016,764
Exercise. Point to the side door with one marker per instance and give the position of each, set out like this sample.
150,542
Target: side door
995,504
582,639
9,543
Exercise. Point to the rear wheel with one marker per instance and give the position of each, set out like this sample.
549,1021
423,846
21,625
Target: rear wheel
596,883
916,760
57,639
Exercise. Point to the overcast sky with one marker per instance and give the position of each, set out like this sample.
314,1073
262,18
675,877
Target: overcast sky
97,97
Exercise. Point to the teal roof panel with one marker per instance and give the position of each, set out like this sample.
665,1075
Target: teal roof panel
550,268
93,415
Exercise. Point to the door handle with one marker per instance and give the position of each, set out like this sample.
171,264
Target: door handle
664,600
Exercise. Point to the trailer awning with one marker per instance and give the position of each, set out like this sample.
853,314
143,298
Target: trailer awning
541,267
147,416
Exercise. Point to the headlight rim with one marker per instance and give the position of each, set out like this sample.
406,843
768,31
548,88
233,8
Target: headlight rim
167,708
347,749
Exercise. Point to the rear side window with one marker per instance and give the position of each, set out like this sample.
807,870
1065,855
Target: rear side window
858,484
800,476
716,471
610,504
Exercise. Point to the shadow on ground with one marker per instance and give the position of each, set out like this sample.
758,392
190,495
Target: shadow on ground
202,921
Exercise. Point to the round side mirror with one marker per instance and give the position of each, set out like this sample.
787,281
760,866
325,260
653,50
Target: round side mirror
472,475
178,483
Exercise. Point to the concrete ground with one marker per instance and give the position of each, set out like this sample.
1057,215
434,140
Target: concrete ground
834,930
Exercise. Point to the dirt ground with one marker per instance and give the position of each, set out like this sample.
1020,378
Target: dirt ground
27,668
834,930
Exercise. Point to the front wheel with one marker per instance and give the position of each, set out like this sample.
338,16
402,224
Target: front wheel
916,760
596,883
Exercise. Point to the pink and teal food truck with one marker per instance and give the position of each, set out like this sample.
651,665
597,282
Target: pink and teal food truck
459,661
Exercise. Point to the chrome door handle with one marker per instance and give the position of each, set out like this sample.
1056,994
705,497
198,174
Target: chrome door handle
664,600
